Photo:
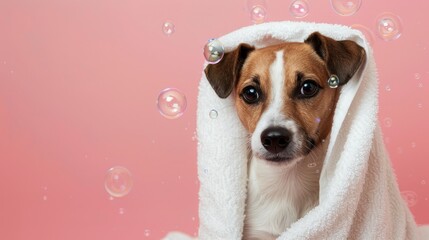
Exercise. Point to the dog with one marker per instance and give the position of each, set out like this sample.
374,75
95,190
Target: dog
285,96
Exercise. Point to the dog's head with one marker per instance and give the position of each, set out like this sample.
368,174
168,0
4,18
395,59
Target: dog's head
282,94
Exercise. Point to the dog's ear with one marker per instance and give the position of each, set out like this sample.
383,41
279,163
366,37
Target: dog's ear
343,58
224,75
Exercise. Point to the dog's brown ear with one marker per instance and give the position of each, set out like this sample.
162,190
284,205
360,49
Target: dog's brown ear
343,58
224,75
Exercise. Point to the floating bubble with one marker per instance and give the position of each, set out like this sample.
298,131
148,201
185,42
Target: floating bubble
317,120
417,76
346,7
388,89
299,8
168,28
213,114
387,122
258,14
146,232
171,103
213,51
409,197
413,145
121,211
366,32
118,181
389,26
420,105
423,182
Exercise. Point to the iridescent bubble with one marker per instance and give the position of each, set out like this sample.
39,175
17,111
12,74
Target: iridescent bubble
387,122
213,114
388,88
121,211
389,26
118,181
366,32
171,103
258,14
213,51
409,197
168,28
417,76
299,8
346,7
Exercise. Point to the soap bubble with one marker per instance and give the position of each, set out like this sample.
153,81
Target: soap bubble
417,76
366,32
213,51
299,8
118,181
387,122
168,28
409,197
346,7
388,88
389,26
121,211
258,14
171,103
213,114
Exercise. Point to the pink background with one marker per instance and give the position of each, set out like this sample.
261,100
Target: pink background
79,80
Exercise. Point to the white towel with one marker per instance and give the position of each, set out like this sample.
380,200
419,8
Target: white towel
359,196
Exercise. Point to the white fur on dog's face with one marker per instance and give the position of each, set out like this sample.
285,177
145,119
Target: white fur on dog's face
274,117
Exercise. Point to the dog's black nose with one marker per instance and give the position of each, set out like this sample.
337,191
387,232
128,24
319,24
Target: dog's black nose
275,139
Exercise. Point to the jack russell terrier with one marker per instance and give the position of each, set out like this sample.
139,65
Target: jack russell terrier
285,96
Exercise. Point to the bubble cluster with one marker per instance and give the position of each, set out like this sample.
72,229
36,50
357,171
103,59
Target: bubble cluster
346,7
299,8
168,28
213,51
258,14
213,114
118,181
409,197
389,26
171,103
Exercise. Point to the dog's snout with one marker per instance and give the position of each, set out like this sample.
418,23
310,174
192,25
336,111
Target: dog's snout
275,139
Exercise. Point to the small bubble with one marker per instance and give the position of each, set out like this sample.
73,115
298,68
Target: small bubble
346,7
168,28
312,165
171,103
213,114
417,76
299,8
258,14
423,182
420,105
146,232
121,211
194,136
193,219
205,170
387,122
409,197
317,120
413,145
323,140
420,85
388,89
179,177
389,26
111,198
45,198
213,51
118,181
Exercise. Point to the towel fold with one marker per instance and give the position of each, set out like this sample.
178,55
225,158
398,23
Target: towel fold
359,196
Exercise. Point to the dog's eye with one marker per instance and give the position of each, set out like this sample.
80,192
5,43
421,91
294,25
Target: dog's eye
309,88
250,95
